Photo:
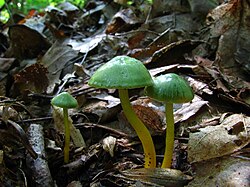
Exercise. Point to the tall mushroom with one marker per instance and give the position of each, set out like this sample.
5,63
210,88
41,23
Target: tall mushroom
169,88
123,73
65,101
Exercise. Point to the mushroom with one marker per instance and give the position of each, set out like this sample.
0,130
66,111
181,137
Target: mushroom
65,101
169,88
123,73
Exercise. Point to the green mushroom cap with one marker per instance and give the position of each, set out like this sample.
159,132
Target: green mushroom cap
121,72
170,88
64,100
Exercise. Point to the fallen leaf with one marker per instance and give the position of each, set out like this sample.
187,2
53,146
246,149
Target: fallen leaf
88,44
158,176
148,113
6,64
199,87
108,145
229,22
55,60
102,109
188,110
123,21
26,42
202,7
162,6
171,53
7,112
162,70
224,171
75,134
112,101
216,141
32,79
150,118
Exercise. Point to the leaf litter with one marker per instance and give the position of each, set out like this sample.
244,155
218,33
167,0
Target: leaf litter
59,49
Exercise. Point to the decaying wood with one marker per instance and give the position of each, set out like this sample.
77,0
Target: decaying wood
38,167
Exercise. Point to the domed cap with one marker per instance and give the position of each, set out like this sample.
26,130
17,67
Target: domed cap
64,100
121,72
170,88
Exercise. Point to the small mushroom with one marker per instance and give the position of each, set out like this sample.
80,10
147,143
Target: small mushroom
65,101
169,88
123,73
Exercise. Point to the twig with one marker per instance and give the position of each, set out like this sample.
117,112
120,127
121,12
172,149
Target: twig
35,119
92,125
23,138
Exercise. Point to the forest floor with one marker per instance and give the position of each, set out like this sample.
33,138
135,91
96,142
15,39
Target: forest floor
58,50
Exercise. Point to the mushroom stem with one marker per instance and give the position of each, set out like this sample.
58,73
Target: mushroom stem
169,136
141,130
67,135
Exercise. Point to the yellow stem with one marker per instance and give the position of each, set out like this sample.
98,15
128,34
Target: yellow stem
141,130
67,135
169,136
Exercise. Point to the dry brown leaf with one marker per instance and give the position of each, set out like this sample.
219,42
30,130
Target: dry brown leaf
88,44
26,42
150,118
75,134
162,70
55,60
229,22
199,87
33,78
123,21
216,141
102,109
171,53
188,110
112,101
225,171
